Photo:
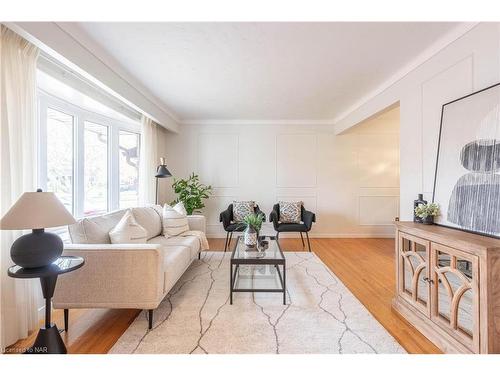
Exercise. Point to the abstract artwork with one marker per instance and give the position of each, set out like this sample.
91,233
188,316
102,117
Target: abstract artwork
467,179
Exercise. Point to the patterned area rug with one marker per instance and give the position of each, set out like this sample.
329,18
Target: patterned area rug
321,316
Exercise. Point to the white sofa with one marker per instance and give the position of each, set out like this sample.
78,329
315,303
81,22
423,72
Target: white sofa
124,275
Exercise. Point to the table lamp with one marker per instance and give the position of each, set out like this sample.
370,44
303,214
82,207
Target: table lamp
37,211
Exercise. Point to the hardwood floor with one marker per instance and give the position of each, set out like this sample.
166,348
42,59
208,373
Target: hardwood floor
365,266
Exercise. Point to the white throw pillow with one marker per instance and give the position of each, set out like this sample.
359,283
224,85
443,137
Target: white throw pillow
175,220
128,230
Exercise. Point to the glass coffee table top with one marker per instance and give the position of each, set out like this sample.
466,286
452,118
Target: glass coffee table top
261,269
269,254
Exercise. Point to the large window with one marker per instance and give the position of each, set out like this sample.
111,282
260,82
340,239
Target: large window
95,144
89,160
129,168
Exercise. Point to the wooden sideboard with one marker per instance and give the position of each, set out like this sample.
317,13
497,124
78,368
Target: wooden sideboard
448,286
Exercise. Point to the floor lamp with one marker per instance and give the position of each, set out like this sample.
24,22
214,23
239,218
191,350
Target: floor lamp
161,172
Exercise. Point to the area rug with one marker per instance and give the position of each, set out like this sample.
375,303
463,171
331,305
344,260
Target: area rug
321,315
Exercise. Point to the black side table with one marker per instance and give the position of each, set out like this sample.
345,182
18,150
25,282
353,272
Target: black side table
48,340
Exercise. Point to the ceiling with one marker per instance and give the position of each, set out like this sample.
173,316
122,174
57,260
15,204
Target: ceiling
261,71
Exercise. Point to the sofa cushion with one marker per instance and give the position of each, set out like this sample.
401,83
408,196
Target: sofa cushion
190,243
175,220
176,261
95,229
128,230
149,219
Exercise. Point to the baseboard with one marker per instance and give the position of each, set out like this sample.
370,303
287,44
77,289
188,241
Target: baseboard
319,235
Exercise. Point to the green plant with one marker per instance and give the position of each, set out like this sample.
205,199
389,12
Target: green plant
191,193
254,221
424,210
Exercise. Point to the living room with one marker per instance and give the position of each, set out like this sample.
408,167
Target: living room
234,185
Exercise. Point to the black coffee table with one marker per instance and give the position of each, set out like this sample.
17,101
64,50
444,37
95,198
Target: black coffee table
258,271
48,340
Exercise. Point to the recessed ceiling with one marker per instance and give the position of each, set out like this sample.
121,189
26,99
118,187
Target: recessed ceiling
256,71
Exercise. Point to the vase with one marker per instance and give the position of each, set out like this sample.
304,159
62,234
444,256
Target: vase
250,237
429,220
416,202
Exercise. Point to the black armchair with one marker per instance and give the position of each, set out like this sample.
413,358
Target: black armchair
226,218
307,219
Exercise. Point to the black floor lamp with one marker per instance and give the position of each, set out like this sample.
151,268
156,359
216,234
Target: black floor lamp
161,172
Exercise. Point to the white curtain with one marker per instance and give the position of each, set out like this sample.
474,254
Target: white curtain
18,298
148,161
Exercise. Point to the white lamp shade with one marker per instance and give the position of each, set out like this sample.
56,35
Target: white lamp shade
36,210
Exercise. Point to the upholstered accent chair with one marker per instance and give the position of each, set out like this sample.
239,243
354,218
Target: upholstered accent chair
307,218
230,226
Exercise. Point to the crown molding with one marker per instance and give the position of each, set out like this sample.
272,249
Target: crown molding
257,122
441,43
78,57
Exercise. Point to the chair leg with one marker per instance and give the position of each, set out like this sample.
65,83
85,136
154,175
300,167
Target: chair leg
150,319
308,243
230,238
66,319
302,238
225,243
277,236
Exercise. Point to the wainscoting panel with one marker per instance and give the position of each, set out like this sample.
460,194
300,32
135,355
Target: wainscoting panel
296,163
378,160
310,202
218,159
378,210
214,206
452,83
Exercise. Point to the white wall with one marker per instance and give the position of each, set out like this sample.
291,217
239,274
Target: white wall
470,63
350,181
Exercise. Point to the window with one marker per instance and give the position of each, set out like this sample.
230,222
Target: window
95,145
89,160
60,150
129,168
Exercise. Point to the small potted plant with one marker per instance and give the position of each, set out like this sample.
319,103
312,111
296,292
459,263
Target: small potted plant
427,212
253,224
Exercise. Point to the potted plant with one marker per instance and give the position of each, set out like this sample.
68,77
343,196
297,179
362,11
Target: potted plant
427,212
253,224
191,193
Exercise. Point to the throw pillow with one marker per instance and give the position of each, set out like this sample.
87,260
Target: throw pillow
128,230
290,212
175,220
241,209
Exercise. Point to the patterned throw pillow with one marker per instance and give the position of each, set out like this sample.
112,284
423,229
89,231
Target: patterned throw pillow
290,212
242,209
128,230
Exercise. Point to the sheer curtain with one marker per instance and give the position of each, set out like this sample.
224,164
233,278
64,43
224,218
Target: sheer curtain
18,298
148,161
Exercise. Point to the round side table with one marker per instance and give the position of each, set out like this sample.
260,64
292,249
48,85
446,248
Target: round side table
48,340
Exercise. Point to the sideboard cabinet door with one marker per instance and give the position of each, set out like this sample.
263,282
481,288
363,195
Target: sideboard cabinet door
455,293
413,271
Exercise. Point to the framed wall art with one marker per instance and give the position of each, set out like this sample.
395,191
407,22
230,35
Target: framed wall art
467,176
